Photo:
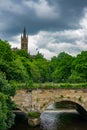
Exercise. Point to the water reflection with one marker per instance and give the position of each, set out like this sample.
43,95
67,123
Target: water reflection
63,121
54,120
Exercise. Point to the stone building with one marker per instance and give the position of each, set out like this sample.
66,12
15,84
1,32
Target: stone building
24,40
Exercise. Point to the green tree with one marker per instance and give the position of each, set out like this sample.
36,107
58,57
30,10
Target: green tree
43,67
63,68
23,53
14,70
32,70
75,77
6,52
6,87
79,66
6,105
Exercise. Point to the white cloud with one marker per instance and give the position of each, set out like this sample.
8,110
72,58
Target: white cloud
82,45
83,21
47,54
71,34
45,42
52,43
15,42
43,9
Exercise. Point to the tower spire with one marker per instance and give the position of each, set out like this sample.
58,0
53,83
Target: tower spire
24,32
24,40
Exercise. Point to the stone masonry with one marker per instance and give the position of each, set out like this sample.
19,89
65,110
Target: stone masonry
40,99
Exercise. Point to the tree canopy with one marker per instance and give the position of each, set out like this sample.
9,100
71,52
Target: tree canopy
20,66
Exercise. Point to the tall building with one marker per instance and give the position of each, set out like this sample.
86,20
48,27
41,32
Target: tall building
24,40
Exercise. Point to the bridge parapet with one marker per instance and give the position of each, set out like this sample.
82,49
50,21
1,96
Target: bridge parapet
40,99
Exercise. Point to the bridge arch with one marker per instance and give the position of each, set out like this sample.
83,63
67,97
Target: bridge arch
70,104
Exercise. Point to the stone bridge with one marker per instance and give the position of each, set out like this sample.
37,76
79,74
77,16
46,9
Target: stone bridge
40,99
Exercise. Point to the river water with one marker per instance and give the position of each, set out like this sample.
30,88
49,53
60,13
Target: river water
55,120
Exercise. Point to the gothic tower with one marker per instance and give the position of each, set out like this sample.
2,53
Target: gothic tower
24,40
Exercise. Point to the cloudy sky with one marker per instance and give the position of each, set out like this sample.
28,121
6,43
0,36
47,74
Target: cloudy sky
53,26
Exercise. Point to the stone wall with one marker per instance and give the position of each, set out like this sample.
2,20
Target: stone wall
40,99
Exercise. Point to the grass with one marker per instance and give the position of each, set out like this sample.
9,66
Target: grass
50,85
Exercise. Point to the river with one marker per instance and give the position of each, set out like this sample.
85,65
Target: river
55,120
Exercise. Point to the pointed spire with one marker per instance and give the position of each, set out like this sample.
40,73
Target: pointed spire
24,32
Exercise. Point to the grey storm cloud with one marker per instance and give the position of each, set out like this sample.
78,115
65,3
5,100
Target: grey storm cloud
62,14
52,25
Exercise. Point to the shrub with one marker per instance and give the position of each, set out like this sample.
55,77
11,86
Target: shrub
33,114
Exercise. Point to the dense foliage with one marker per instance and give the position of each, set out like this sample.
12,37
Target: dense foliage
19,66
6,105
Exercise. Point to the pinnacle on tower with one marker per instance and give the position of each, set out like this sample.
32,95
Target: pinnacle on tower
24,32
24,40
